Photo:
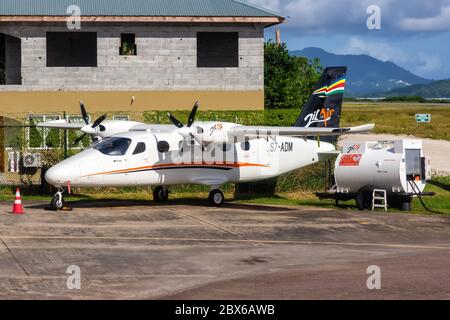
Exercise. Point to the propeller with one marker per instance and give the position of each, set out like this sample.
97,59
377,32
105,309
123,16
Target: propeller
88,128
98,121
84,113
191,118
185,130
192,115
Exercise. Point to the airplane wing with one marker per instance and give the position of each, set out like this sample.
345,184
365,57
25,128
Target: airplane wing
251,131
60,124
159,128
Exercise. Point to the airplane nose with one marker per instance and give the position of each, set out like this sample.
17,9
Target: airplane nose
53,176
59,175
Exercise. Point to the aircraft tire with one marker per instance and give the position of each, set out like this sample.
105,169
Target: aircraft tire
160,194
216,198
57,203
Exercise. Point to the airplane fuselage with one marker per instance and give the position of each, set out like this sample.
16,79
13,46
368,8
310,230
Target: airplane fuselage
139,159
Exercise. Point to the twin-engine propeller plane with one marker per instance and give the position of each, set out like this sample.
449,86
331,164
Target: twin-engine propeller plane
208,153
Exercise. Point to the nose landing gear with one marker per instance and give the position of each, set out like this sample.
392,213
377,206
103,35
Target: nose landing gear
57,202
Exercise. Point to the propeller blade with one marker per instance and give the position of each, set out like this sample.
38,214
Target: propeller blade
192,115
98,121
78,139
175,121
84,113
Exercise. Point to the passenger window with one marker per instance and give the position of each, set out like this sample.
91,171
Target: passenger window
115,146
163,146
140,147
245,145
226,147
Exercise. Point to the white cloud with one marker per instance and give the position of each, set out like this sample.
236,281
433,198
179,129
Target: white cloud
428,64
269,4
380,50
319,16
419,63
440,22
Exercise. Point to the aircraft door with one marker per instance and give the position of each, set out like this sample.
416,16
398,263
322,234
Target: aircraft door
139,157
256,153
115,152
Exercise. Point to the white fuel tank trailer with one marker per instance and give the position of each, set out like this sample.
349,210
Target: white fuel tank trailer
399,167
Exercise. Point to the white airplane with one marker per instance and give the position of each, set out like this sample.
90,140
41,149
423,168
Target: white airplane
208,153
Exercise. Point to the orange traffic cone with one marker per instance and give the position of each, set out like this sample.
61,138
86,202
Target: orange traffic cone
17,207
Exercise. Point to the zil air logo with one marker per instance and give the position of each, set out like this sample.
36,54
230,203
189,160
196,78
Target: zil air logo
216,127
323,115
354,147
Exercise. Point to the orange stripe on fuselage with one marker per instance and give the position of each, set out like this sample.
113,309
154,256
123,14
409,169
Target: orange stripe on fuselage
169,165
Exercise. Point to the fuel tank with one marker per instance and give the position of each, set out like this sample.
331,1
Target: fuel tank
399,167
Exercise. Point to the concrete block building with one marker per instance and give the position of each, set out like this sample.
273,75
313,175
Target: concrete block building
165,53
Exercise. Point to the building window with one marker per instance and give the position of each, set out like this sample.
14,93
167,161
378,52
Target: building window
71,49
122,117
10,60
128,44
43,138
217,49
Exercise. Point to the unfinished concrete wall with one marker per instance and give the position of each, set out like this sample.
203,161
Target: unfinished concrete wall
166,60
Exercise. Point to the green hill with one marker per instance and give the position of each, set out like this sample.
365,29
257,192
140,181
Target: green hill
437,89
366,75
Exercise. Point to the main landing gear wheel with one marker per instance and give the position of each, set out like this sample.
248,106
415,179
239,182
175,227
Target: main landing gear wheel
216,198
57,202
160,194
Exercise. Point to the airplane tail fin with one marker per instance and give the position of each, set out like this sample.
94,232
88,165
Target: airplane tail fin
323,108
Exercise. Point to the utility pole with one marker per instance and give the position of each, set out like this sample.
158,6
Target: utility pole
278,36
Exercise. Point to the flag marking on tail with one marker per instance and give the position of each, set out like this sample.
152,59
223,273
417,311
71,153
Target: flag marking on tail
335,88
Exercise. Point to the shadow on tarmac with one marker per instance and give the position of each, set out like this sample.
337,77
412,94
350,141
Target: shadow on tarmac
112,203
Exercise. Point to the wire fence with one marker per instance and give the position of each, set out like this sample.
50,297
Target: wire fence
26,151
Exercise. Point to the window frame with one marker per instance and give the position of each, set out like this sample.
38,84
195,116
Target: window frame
81,145
44,131
93,64
203,52
115,117
132,44
104,141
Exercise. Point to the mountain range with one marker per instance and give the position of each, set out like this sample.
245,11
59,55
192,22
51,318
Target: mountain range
367,76
437,89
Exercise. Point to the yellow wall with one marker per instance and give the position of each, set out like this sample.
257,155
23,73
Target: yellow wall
56,101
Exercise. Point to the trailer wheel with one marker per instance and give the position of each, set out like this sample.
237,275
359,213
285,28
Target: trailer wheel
364,198
360,200
406,206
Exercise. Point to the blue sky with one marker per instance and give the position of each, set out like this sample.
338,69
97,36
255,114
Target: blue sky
414,34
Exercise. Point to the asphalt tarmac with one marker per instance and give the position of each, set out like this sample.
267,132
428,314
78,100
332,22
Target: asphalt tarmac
140,250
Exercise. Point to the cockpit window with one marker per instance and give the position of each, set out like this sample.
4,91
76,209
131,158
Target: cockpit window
114,146
140,147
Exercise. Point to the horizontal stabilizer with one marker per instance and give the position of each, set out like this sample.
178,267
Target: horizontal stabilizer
297,131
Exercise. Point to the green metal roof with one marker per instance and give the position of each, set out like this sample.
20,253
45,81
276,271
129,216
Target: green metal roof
200,8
